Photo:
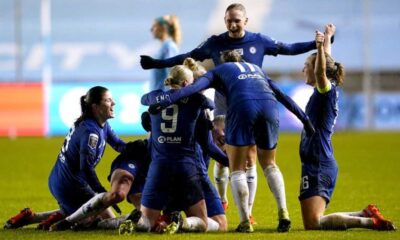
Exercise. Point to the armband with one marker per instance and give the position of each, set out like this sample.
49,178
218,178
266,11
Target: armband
326,89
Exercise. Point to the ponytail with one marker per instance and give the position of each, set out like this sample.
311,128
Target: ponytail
197,69
334,70
93,96
172,24
84,111
339,73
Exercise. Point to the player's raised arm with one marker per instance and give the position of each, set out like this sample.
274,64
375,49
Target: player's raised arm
322,81
330,30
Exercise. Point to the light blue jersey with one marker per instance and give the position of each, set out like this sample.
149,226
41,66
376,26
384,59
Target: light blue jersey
168,49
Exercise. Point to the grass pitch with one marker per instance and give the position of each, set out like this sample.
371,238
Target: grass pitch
369,172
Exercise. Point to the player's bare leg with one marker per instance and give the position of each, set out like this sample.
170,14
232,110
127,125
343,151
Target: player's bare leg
313,219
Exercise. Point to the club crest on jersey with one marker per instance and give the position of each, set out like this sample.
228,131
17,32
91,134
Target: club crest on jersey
93,139
131,166
252,50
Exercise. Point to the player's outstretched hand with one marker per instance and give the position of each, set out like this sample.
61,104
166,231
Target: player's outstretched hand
155,108
330,30
309,127
148,62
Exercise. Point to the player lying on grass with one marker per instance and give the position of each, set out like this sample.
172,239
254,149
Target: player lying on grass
319,167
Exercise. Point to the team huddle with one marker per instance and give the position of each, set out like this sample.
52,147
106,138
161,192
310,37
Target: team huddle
167,173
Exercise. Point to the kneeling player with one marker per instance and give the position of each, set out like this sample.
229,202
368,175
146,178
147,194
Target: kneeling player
127,177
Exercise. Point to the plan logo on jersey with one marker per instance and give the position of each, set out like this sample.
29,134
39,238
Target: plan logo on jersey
250,75
93,139
173,140
252,50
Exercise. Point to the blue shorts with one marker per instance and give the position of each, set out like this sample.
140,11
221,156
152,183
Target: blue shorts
253,122
70,195
127,165
175,183
213,201
133,168
318,179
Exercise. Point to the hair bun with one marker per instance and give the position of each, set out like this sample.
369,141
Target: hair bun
190,63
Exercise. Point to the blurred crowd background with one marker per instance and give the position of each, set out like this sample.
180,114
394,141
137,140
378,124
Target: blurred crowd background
52,51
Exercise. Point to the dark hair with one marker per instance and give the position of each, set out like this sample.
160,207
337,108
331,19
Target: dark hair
93,96
230,56
237,6
334,70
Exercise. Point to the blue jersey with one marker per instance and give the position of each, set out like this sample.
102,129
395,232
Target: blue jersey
168,49
322,110
172,131
252,47
238,81
82,150
243,84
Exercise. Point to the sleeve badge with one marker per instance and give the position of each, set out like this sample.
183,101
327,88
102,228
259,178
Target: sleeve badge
93,139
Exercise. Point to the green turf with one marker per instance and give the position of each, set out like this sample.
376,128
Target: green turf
369,166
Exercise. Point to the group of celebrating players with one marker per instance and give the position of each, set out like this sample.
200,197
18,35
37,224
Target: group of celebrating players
167,173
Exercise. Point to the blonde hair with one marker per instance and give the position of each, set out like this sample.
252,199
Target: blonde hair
173,26
219,119
334,70
178,76
196,68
